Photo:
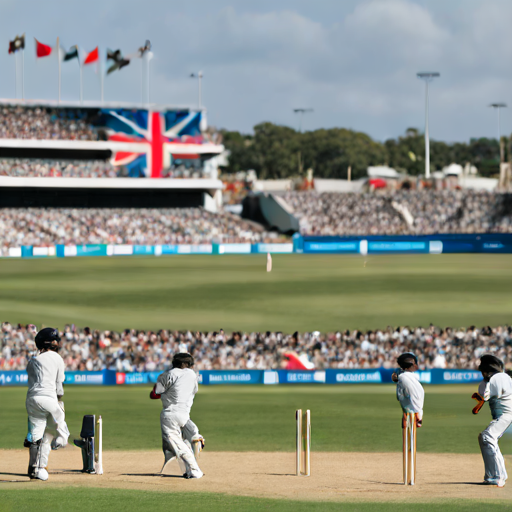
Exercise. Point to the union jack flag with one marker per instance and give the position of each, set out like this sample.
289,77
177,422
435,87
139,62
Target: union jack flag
159,134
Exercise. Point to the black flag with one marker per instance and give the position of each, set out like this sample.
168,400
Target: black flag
18,43
119,60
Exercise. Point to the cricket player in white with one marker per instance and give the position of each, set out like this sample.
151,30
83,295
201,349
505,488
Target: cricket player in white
177,388
496,388
409,391
47,427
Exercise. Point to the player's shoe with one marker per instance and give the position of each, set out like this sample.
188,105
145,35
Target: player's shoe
39,474
498,483
196,474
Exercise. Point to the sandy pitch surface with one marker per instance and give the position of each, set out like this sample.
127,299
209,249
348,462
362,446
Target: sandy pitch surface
334,476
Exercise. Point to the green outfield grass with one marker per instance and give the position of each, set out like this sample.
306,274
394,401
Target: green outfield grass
362,418
303,292
115,500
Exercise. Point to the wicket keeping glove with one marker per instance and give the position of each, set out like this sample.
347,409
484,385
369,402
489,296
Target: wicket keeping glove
480,404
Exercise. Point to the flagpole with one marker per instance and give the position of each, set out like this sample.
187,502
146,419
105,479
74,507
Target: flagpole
102,81
148,58
23,74
58,61
15,75
81,82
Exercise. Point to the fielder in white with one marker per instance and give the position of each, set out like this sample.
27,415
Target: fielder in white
47,427
496,388
176,388
409,391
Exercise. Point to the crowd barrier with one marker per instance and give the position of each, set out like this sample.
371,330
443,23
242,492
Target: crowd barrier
432,244
267,377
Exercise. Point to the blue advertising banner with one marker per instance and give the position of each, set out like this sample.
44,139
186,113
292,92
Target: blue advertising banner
13,378
91,250
353,376
88,378
231,377
143,250
301,376
351,246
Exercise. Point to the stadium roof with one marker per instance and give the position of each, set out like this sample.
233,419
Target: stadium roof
155,107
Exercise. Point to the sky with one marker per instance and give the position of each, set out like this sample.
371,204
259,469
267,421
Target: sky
354,62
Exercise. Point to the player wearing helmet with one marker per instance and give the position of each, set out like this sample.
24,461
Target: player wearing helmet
409,391
47,427
496,388
177,388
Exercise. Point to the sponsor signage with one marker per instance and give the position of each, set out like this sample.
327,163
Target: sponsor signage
14,378
353,376
232,377
457,376
274,248
348,247
301,377
84,378
397,247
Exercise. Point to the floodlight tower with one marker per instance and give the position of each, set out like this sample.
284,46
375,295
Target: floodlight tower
199,77
428,77
498,107
301,111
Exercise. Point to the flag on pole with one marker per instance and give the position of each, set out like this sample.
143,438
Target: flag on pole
119,60
72,53
93,56
42,50
18,43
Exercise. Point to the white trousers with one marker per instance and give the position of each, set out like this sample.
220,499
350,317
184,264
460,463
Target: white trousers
493,459
172,423
46,420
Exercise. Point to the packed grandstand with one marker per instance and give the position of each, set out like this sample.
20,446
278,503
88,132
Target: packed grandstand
137,350
458,211
402,212
143,226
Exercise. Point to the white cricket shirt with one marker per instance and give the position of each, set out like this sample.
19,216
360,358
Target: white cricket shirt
498,392
410,393
178,387
45,375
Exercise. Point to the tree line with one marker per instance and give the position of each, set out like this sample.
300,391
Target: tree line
276,152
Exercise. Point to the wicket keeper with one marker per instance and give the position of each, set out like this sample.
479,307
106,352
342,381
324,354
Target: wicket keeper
496,388
47,427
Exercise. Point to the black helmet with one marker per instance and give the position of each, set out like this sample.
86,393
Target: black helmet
491,364
404,360
182,359
48,338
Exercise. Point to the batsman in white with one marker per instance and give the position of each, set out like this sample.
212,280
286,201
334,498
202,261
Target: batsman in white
496,388
47,427
409,391
176,388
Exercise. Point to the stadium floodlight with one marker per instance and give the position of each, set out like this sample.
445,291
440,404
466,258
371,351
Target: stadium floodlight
498,107
199,77
427,76
301,111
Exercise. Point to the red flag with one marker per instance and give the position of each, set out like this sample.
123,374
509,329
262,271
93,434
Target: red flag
92,56
42,50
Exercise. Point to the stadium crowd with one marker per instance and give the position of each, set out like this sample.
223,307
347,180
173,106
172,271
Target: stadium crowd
136,351
40,123
41,168
43,227
431,212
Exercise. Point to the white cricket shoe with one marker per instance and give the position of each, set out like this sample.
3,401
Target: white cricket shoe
195,474
40,474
